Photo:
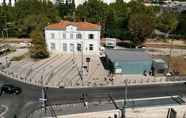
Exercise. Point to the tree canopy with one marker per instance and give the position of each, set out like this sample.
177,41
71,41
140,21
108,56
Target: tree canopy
140,26
92,11
118,20
181,28
38,49
167,22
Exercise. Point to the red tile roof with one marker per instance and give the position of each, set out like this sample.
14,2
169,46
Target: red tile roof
79,25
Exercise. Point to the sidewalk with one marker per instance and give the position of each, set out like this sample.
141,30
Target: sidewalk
106,110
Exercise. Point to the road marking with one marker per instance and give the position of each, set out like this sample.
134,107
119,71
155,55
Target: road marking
153,98
4,112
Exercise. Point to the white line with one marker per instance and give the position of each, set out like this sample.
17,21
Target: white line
4,112
153,98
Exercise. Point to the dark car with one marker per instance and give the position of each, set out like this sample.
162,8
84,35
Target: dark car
10,89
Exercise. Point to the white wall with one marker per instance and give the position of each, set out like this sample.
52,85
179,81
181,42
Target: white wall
58,40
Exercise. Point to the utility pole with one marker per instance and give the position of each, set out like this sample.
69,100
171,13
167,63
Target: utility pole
82,65
123,109
44,100
124,102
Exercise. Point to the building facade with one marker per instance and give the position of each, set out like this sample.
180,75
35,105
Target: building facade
128,61
12,2
8,2
73,37
79,2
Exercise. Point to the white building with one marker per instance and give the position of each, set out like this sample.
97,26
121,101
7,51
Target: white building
72,37
8,2
12,2
79,2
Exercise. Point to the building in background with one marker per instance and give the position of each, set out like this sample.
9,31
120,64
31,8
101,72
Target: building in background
129,61
73,37
12,2
79,2
8,2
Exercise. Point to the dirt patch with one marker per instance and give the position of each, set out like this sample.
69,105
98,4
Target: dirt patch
15,40
178,64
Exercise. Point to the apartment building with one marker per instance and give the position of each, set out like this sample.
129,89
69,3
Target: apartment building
73,37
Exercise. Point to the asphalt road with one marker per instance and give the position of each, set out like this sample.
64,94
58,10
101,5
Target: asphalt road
29,99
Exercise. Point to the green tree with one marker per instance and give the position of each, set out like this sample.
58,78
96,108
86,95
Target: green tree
181,28
31,14
140,27
117,20
31,23
92,11
167,22
7,19
38,49
66,10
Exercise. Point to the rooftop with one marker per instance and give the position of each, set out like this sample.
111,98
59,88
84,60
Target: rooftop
127,55
80,25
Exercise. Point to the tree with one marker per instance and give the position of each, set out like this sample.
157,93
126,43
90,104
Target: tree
117,20
181,28
66,10
92,11
167,22
33,13
140,27
32,22
38,49
7,19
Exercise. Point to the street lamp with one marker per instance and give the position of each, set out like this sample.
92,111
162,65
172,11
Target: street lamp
124,102
88,62
123,109
82,65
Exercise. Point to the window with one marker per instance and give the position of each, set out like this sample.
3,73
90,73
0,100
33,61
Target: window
78,47
62,1
71,36
71,47
91,47
64,36
91,36
52,35
69,1
79,36
52,46
64,47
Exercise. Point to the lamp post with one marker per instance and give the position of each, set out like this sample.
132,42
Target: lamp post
88,62
123,115
82,65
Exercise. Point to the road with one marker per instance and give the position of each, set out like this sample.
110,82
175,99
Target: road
28,100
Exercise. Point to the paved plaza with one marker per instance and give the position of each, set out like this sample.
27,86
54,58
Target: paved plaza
65,70
58,70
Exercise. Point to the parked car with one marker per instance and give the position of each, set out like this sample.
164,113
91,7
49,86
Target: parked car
10,89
